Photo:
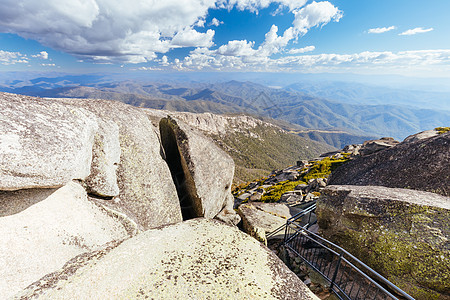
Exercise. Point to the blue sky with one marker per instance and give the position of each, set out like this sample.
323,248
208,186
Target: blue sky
355,36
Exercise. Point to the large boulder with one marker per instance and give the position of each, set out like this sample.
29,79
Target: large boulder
147,192
259,219
202,172
372,146
423,164
111,148
403,234
196,259
41,229
43,144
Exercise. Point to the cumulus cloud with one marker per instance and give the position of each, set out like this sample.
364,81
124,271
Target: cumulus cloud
237,48
315,14
302,50
192,38
131,31
12,58
381,29
41,55
48,65
416,31
215,22
111,31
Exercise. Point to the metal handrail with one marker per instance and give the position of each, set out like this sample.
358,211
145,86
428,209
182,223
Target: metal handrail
304,212
293,232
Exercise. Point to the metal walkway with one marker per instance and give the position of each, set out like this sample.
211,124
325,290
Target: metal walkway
347,277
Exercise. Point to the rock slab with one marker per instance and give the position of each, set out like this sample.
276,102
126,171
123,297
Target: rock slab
260,218
423,164
195,259
147,192
202,171
43,144
402,234
41,229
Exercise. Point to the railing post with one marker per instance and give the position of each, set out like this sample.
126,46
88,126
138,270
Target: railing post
286,232
336,271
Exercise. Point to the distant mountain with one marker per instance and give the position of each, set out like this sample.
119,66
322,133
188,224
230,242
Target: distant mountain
358,120
357,93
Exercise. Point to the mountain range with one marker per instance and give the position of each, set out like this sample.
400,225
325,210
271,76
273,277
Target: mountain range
331,112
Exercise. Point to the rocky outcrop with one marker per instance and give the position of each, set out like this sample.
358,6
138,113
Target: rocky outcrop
41,229
202,171
423,164
198,258
259,219
372,146
212,124
421,135
102,180
43,144
147,192
403,234
111,148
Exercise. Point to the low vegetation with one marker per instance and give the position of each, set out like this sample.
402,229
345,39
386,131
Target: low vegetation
323,168
264,149
274,192
442,130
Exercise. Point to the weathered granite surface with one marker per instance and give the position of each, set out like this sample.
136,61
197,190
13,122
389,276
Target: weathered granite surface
423,164
207,171
196,259
43,144
260,218
403,234
147,192
41,229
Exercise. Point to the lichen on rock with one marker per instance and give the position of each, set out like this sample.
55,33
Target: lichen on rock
403,234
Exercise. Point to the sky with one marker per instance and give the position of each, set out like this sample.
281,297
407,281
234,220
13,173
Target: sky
404,37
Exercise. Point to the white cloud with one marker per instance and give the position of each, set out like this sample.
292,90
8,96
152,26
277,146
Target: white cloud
256,5
416,31
403,62
192,38
164,61
237,48
48,65
200,23
12,58
381,29
215,22
131,31
302,50
135,31
41,55
315,14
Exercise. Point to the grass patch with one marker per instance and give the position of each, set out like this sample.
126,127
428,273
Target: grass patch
274,192
323,168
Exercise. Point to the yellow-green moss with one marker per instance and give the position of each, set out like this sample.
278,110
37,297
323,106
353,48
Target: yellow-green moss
323,168
415,262
442,130
274,192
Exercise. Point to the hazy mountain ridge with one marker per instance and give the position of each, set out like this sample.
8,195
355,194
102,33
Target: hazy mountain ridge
357,93
254,99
